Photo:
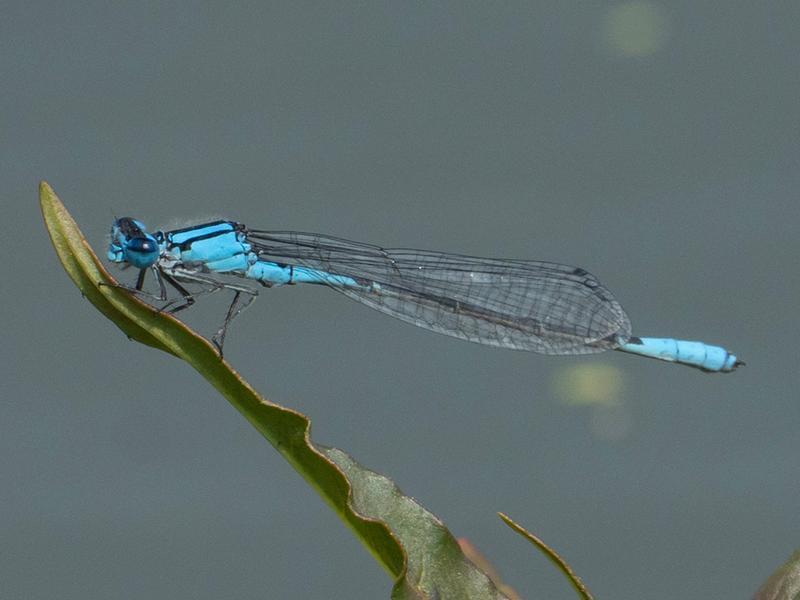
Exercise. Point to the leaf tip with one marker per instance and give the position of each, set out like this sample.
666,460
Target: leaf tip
45,188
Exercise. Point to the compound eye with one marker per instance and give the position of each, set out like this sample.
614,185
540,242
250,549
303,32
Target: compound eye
142,245
141,251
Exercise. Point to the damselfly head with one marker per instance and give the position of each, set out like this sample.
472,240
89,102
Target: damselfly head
130,243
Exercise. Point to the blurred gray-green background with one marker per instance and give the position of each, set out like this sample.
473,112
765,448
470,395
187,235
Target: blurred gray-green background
653,143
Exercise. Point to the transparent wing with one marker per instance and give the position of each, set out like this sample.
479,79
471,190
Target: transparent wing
526,305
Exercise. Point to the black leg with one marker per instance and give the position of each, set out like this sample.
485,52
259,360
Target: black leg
137,289
234,310
140,279
158,275
186,296
243,297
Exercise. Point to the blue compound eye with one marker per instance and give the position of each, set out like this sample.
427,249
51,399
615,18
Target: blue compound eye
141,251
142,245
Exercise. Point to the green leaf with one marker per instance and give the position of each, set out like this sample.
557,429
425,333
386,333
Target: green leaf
409,542
784,583
436,563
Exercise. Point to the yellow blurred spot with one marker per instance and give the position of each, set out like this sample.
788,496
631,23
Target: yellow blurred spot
598,387
589,384
636,28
